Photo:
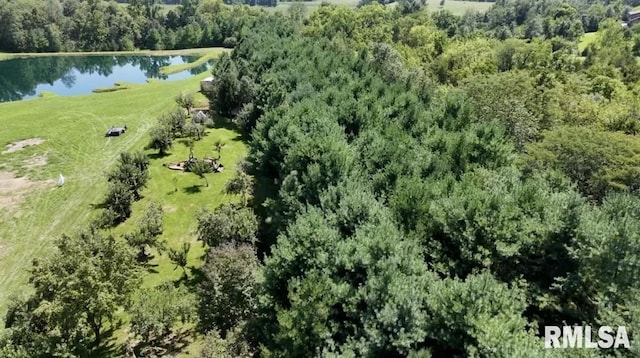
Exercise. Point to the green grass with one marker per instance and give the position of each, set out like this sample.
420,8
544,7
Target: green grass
182,195
213,53
586,40
73,129
457,7
115,87
310,6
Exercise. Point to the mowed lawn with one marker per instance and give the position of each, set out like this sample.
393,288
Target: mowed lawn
73,129
183,194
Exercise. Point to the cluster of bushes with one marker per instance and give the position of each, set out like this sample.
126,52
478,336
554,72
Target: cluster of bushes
125,182
173,124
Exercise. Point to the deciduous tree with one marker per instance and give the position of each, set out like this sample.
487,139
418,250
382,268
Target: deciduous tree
228,293
227,224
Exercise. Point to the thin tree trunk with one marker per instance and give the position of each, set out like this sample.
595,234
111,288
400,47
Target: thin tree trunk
95,326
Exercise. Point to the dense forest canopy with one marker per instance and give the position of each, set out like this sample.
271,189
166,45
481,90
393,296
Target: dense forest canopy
98,25
423,185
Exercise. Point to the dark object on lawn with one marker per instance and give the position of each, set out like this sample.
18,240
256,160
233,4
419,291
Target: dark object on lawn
215,166
116,131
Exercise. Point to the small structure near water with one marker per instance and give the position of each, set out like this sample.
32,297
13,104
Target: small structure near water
200,117
115,131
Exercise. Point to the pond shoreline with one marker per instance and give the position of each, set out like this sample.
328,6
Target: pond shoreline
183,52
203,59
96,72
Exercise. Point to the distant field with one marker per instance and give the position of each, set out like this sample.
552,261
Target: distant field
458,7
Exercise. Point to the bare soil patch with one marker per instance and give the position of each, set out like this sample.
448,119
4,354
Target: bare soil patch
21,144
37,161
13,190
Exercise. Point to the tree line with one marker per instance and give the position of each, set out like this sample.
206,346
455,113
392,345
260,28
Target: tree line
101,25
415,170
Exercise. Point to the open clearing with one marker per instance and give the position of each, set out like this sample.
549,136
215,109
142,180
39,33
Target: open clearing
13,189
73,128
21,144
586,40
459,7
455,6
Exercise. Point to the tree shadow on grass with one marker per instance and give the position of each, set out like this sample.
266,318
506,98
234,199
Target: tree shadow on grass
194,189
193,280
220,122
185,141
153,156
168,345
108,346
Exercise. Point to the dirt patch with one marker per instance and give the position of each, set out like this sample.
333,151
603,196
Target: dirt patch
169,209
21,144
37,161
13,190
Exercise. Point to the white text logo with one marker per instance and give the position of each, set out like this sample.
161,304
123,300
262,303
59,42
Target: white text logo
583,337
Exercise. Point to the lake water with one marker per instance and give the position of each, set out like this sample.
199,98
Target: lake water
72,75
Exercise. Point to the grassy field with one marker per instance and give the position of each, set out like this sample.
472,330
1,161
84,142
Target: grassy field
457,7
214,53
310,6
74,144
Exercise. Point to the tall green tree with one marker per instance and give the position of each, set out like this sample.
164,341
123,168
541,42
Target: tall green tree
161,138
132,171
150,226
117,203
227,224
595,160
228,294
76,291
201,169
185,100
180,257
156,311
242,184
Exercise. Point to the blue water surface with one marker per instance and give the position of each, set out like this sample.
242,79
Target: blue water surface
25,78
